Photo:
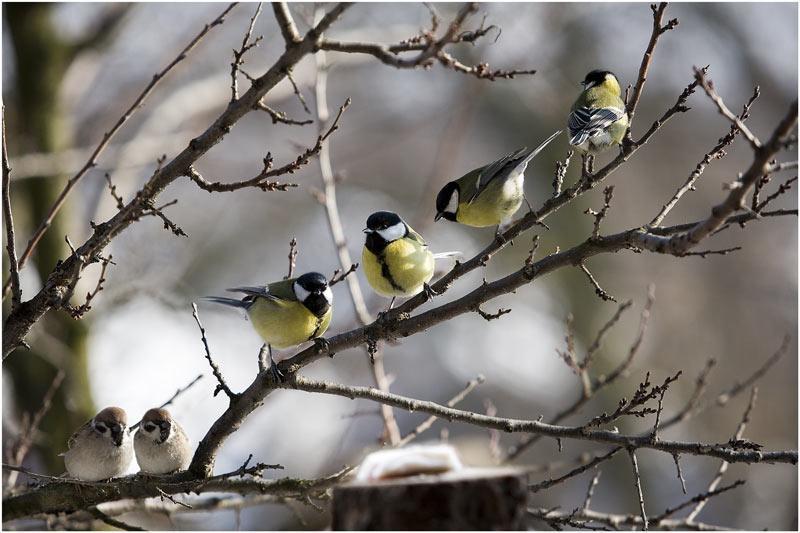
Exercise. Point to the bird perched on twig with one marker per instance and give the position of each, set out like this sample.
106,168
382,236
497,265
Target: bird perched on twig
288,312
101,448
160,444
488,195
396,258
597,119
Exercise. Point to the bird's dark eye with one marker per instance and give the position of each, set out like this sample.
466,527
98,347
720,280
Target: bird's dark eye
149,427
101,429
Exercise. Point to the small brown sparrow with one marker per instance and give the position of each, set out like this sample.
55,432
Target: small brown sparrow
161,445
100,449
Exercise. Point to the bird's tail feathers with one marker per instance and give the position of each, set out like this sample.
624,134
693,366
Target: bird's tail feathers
539,148
447,255
232,302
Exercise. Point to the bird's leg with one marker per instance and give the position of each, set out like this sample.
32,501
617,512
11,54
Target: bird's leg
323,345
391,304
429,292
274,371
530,207
382,314
501,228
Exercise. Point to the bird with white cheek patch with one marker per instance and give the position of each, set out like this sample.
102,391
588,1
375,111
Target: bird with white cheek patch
288,312
160,443
101,449
396,259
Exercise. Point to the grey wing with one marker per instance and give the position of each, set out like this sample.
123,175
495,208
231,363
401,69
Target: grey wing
501,168
587,122
261,292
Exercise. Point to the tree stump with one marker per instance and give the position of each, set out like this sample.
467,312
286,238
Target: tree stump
469,499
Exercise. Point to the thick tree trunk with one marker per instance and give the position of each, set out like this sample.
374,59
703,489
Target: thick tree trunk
41,60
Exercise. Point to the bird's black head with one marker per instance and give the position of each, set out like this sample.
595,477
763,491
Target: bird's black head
596,77
384,227
312,290
447,201
380,220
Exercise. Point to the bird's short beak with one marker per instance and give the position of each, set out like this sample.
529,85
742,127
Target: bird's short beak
116,435
367,230
437,217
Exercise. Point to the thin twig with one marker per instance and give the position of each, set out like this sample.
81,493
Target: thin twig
13,267
452,402
292,258
637,480
222,385
92,162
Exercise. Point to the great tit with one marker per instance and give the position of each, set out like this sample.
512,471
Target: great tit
488,195
597,119
395,258
288,312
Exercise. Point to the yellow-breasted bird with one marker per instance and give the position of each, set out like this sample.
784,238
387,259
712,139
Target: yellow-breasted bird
395,258
288,312
488,195
597,119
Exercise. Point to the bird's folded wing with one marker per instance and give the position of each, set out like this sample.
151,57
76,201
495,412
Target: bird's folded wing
261,292
586,122
499,169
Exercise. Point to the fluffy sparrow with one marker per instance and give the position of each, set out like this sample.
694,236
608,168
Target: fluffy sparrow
100,449
161,444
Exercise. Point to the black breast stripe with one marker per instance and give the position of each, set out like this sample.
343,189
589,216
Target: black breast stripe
316,329
387,274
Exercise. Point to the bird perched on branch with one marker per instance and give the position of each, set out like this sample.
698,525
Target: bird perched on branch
396,258
597,119
288,312
488,195
160,444
101,448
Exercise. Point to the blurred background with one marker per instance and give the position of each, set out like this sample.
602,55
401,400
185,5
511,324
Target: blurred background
70,70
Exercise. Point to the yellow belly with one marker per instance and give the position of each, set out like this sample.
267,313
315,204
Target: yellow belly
410,264
282,325
495,205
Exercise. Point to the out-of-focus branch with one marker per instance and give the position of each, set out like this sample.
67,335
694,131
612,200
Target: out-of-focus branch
58,283
374,357
29,427
452,402
92,162
8,220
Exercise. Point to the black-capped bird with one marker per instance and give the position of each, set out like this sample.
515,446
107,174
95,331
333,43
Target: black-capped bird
488,195
396,259
597,119
288,312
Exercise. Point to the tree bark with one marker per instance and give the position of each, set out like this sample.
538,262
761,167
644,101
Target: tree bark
471,499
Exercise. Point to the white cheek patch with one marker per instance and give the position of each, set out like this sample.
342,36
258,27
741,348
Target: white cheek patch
328,294
299,292
452,205
393,233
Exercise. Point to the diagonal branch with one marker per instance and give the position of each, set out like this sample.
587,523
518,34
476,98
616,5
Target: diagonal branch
92,162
